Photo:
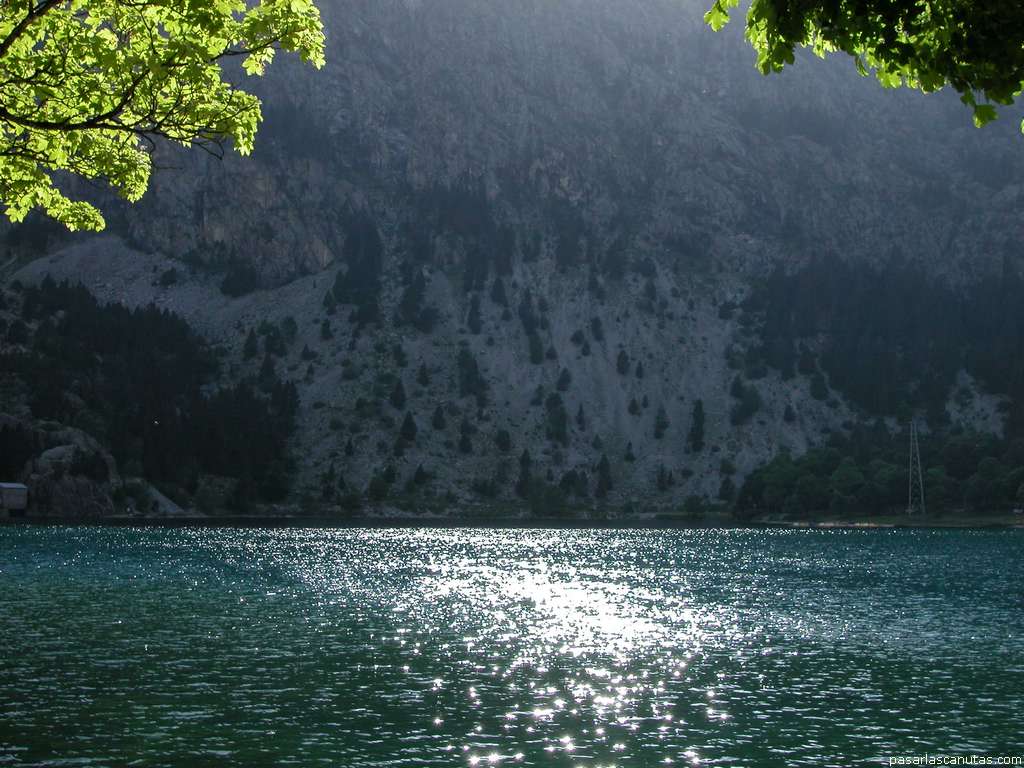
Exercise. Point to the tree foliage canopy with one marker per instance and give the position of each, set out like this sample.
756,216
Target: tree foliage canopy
976,47
86,86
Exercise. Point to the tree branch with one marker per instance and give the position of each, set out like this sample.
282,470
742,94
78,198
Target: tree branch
33,13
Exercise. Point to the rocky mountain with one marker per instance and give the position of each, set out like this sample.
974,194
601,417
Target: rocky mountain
532,226
616,124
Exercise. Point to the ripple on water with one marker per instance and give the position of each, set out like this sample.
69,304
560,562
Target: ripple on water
485,647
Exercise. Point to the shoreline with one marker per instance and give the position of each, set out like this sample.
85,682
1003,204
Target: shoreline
1002,522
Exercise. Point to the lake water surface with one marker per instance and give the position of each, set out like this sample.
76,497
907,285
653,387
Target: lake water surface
431,647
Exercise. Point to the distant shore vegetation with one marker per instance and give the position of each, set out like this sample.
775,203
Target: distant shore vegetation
149,389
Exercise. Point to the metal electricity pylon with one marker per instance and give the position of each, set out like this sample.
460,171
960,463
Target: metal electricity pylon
915,480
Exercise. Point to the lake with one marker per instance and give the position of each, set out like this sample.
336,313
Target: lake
431,647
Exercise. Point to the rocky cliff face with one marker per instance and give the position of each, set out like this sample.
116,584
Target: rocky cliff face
630,122
621,170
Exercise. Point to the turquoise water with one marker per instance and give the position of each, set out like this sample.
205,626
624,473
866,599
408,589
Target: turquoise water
425,647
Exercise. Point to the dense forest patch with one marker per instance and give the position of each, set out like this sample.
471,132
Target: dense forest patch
146,386
893,343
865,472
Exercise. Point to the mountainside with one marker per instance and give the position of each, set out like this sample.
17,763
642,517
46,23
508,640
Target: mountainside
543,220
619,126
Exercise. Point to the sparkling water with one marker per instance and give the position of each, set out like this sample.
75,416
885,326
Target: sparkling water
449,647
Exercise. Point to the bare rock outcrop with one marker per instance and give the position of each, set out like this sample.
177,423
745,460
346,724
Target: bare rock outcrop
68,472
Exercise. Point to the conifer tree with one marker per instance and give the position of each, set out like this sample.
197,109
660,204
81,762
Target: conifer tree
526,313
498,295
536,348
604,477
660,423
557,419
622,362
330,303
695,438
420,477
289,329
727,489
503,440
473,319
661,480
564,380
525,480
438,421
252,346
401,359
408,430
465,437
268,371
398,395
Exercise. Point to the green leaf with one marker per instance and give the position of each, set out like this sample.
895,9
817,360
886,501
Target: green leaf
984,114
717,17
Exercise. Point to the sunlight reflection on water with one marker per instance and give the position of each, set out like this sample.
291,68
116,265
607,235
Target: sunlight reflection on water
481,647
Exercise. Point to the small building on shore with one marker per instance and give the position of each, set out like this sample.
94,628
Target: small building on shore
13,499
